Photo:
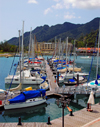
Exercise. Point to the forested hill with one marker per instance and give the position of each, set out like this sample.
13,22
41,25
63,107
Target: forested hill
46,33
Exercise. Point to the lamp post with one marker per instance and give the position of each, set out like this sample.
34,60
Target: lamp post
62,103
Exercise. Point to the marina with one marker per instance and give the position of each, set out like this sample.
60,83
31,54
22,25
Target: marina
50,66
56,91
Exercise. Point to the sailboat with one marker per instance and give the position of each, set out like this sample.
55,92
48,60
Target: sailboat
25,113
26,99
27,78
72,71
26,75
95,83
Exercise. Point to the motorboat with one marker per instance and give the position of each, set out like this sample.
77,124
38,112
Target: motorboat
26,99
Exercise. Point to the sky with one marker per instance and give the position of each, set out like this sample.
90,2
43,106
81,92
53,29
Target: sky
40,12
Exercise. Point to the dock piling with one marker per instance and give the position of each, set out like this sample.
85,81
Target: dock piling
71,113
19,121
77,79
49,121
57,77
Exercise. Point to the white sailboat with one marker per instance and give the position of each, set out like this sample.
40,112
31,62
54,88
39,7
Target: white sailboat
25,75
73,71
26,78
26,99
95,83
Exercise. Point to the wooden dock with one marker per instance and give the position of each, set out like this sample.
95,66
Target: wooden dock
80,118
51,79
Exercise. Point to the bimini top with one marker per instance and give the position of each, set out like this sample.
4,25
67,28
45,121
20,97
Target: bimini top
27,95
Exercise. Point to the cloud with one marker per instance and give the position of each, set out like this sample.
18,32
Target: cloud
32,1
67,4
69,16
83,4
57,6
47,11
56,0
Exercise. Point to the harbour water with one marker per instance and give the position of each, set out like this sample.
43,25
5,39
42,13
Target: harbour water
41,113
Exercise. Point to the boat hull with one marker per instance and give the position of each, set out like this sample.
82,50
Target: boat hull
24,104
25,81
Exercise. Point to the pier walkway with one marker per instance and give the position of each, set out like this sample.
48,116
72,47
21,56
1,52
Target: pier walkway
51,79
81,118
72,90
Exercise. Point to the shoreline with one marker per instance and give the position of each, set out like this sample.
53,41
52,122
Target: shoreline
6,54
77,54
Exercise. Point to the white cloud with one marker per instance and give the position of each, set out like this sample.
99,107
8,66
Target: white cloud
57,6
79,17
66,4
47,11
69,16
32,1
84,4
56,0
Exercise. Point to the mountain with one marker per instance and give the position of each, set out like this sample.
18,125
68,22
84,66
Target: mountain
46,33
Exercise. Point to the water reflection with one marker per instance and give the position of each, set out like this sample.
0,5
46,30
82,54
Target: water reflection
7,86
25,113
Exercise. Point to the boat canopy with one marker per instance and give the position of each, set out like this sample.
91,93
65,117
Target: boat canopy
27,95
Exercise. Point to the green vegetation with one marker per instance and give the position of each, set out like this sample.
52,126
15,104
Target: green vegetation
85,34
88,39
6,47
46,33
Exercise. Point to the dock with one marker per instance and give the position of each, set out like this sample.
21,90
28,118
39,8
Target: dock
81,118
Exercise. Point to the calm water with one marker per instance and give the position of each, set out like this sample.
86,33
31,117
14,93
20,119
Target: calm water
41,113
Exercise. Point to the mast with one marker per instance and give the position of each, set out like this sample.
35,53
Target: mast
74,59
55,46
22,57
98,51
66,49
29,52
32,49
62,54
59,47
19,41
22,43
